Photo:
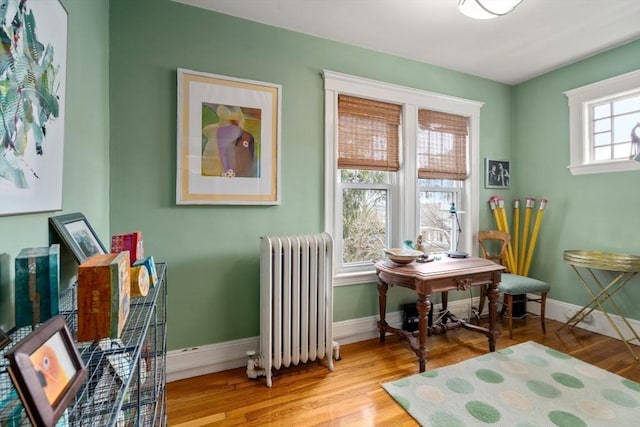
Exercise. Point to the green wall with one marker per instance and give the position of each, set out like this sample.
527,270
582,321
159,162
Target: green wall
596,212
213,251
120,157
86,145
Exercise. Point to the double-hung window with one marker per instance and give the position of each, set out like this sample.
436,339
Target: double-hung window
604,119
396,160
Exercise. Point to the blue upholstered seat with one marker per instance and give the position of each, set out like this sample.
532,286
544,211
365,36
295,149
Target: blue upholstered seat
511,284
517,285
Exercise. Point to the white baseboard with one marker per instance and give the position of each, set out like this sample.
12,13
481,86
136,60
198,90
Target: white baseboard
195,361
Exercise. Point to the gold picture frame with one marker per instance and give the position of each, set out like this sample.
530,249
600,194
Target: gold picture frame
228,149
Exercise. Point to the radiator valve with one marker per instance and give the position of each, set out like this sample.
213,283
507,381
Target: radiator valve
253,363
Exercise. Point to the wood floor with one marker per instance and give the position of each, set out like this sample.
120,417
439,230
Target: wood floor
310,395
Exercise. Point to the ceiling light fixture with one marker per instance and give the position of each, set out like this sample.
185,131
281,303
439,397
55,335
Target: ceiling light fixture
487,9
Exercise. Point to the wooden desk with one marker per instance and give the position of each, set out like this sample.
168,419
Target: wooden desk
446,274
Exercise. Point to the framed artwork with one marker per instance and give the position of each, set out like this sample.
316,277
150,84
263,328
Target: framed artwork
228,140
33,106
497,173
78,235
47,370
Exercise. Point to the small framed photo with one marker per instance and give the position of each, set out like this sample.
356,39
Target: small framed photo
497,173
76,232
47,370
4,339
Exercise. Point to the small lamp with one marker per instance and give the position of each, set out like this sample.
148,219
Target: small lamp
456,229
487,9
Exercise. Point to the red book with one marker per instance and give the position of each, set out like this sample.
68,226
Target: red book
131,242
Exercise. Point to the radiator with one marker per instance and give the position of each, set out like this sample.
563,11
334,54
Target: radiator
296,303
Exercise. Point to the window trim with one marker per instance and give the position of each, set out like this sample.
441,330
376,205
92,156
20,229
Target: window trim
580,99
336,83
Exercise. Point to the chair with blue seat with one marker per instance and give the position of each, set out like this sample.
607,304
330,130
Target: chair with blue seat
493,245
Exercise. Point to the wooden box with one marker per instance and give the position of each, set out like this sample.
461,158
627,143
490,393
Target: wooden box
37,285
104,292
131,242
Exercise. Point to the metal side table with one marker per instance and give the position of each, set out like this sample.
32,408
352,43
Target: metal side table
622,269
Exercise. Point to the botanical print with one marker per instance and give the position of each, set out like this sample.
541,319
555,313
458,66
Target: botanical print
31,108
231,141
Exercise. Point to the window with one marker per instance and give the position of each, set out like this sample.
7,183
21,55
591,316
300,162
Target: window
602,118
368,142
396,158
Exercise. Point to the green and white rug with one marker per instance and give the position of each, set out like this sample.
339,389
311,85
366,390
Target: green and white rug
522,386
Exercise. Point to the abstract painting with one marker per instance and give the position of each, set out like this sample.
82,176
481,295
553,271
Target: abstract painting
228,140
33,51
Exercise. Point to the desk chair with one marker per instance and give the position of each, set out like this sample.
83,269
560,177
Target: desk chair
493,244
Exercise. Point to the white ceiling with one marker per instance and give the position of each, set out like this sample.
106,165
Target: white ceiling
537,37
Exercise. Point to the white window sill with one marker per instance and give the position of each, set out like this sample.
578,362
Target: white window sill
355,278
605,167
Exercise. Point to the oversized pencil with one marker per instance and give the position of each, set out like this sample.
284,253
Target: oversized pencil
534,235
525,234
505,227
516,233
492,205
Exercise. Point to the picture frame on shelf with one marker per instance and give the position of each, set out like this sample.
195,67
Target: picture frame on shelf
228,148
497,173
47,371
76,233
31,156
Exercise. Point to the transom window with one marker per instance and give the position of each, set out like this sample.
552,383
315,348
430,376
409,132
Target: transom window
603,118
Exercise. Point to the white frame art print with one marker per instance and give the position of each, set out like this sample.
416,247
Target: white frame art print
31,155
228,150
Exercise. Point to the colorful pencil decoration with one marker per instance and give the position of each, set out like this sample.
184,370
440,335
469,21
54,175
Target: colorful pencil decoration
525,232
520,251
534,236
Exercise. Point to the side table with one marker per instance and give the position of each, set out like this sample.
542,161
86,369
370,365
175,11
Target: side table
622,268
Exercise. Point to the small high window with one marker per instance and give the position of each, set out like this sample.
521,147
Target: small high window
603,118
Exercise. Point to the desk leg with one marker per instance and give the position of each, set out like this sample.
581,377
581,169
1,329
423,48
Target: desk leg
492,294
382,301
423,328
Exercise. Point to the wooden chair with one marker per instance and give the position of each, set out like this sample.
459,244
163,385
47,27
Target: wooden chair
493,244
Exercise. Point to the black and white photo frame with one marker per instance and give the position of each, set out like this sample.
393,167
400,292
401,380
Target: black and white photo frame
76,233
497,173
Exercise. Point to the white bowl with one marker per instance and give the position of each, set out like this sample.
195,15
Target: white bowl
402,255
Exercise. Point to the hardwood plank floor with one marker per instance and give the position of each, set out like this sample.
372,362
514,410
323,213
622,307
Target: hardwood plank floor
310,395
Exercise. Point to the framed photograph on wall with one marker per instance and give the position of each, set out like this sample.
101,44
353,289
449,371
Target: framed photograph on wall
33,106
47,370
228,149
497,173
78,235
